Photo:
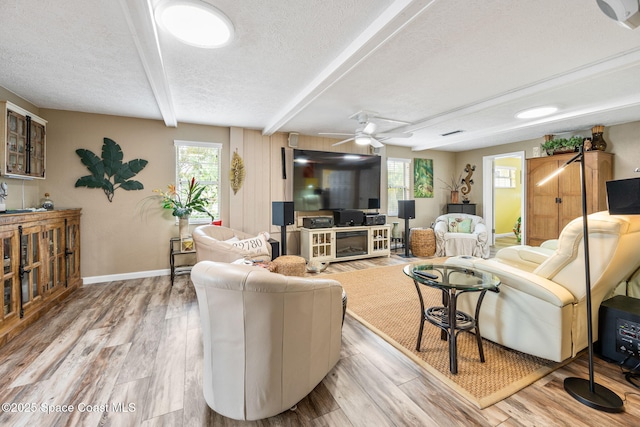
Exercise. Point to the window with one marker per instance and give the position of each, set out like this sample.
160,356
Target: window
398,175
202,161
505,177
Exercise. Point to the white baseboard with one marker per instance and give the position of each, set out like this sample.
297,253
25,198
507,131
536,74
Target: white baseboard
124,276
505,235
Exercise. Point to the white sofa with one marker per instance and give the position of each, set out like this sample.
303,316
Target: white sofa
268,339
543,311
449,243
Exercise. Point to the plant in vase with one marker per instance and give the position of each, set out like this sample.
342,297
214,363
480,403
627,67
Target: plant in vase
453,186
182,205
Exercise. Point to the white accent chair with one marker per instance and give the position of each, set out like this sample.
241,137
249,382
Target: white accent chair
542,311
213,243
448,243
268,339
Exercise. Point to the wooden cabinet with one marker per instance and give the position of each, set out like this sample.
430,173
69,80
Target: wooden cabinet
23,137
550,207
345,243
41,265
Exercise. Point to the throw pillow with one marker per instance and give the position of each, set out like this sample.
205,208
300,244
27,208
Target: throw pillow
255,246
454,225
465,225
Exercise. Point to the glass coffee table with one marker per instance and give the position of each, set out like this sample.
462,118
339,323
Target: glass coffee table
453,281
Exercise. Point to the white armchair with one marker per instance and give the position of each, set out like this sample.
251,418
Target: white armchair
223,244
461,234
268,339
542,311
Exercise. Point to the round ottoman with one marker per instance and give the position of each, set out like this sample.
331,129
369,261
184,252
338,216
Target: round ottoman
290,265
423,241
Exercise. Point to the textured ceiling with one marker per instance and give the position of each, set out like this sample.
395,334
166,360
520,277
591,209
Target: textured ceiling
307,66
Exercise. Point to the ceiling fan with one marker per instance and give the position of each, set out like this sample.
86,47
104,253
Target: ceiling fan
366,132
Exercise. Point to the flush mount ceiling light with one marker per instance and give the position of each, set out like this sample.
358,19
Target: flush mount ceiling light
534,113
195,23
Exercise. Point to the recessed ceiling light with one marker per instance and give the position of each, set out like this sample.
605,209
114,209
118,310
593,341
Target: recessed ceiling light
534,113
195,23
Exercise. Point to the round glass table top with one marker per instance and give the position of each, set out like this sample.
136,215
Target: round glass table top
452,277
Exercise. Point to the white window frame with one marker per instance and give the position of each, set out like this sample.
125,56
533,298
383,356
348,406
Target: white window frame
212,145
504,177
392,203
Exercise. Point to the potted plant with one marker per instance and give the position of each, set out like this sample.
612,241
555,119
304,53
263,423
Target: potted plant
575,142
517,229
183,205
453,187
550,146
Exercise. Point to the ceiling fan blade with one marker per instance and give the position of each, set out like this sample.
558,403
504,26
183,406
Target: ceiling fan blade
375,143
370,128
394,135
335,133
343,141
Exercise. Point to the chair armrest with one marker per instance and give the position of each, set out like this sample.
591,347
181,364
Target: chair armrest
440,228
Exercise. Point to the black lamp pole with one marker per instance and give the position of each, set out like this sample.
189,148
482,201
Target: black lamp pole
588,392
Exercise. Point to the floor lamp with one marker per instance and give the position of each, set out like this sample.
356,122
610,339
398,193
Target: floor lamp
587,392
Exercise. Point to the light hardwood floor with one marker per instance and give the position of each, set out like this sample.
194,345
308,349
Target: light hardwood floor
137,344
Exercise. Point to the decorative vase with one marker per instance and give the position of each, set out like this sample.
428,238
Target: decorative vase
183,226
455,196
598,142
395,231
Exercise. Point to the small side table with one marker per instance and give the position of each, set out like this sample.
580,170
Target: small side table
180,260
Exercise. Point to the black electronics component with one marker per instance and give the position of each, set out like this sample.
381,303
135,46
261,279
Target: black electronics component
375,219
317,222
619,330
348,217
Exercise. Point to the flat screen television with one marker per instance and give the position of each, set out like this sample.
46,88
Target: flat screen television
332,181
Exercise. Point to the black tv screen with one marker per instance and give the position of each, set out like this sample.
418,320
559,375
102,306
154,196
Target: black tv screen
331,181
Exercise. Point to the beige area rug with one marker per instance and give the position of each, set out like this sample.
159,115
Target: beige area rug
385,300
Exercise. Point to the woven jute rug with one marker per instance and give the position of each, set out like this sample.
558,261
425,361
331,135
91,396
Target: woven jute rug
385,300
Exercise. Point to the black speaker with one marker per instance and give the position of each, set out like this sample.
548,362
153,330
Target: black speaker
406,209
619,330
281,213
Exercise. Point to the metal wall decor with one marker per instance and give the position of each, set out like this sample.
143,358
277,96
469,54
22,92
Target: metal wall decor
109,172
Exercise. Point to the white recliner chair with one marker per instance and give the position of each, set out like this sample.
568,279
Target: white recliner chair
461,234
268,339
543,311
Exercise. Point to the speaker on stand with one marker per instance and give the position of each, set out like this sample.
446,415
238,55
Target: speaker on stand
406,211
282,215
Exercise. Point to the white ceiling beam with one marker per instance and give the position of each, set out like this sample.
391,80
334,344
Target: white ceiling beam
139,16
624,60
398,15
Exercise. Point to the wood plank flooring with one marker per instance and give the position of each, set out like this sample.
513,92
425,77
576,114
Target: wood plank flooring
129,353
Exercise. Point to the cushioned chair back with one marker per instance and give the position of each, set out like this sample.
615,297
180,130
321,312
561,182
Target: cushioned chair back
475,219
614,253
268,339
210,243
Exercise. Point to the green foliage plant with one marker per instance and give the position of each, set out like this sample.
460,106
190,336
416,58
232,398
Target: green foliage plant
109,172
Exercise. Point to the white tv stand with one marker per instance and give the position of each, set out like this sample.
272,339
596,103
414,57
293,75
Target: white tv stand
345,243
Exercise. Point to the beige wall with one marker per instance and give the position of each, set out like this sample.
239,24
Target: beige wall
119,237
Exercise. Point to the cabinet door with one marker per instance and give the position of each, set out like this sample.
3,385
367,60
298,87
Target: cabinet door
16,143
379,239
542,207
72,251
321,245
30,267
54,238
9,252
36,149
